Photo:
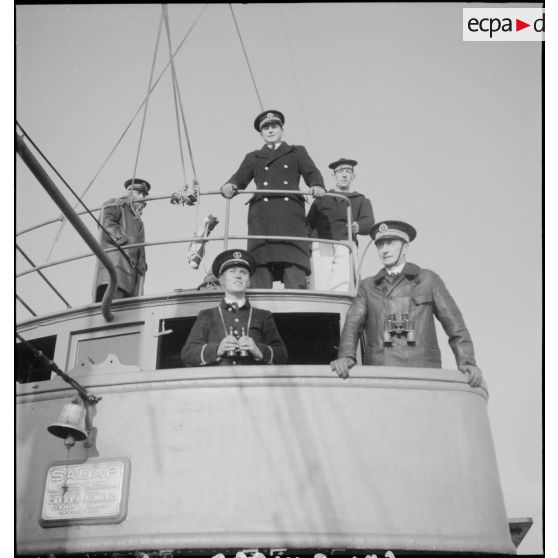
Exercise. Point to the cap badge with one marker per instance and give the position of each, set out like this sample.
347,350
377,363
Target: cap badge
269,115
237,255
383,227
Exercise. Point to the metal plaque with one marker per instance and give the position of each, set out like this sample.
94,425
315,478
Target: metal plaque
92,491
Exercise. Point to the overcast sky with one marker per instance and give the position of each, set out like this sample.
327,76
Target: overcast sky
447,135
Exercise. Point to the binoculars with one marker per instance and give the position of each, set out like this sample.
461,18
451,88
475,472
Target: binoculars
403,326
237,352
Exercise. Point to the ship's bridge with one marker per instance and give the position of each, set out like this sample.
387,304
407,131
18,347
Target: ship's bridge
287,460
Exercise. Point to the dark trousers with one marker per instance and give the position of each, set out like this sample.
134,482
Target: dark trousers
120,293
292,276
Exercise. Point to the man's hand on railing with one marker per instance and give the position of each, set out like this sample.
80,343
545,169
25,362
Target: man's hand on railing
318,191
229,190
342,365
474,373
355,227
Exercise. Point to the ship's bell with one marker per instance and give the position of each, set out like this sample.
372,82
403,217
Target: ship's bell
70,425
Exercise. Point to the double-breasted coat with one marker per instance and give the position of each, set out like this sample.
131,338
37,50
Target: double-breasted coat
125,228
278,215
421,294
214,324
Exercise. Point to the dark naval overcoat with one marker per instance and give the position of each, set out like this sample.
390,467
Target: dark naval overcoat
276,215
421,294
125,228
214,324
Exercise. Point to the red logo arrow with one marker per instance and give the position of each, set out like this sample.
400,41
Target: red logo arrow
519,25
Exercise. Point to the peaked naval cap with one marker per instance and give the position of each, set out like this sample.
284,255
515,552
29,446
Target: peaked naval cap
232,258
342,161
267,117
139,184
393,229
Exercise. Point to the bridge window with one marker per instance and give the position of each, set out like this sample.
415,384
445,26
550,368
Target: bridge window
94,346
310,338
28,367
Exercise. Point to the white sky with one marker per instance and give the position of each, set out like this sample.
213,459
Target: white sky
447,135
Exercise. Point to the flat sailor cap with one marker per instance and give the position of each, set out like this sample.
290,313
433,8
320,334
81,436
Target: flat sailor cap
393,229
343,162
139,184
267,117
231,258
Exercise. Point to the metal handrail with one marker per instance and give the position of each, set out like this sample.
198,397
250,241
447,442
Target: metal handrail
225,238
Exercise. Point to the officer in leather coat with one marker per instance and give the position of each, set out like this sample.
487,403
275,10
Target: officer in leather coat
396,309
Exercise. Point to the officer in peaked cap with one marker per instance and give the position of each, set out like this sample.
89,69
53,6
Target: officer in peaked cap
393,230
138,184
268,117
396,309
235,332
232,258
122,225
277,166
327,219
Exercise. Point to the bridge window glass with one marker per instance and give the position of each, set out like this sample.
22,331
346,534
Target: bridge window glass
311,338
95,346
28,367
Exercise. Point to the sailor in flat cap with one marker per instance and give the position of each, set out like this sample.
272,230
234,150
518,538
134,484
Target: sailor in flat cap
327,219
396,308
122,224
235,332
277,166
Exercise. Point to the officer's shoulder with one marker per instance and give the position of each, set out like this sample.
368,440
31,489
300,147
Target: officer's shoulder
426,273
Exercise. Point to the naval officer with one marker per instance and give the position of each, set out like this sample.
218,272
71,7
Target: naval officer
235,332
396,309
277,166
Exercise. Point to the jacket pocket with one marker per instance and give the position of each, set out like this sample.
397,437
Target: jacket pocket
422,298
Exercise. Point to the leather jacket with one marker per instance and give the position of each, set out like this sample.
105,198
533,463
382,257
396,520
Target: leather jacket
419,293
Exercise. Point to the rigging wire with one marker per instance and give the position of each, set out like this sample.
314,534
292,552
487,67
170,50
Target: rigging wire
79,200
246,57
28,308
297,83
179,105
111,152
147,97
174,92
41,274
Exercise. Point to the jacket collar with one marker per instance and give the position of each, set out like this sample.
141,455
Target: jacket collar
409,270
225,306
273,154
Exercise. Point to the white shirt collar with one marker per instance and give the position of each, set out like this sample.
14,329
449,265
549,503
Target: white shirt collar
274,145
240,302
395,269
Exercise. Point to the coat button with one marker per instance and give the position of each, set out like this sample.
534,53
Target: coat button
286,199
236,319
265,183
265,199
266,168
285,181
286,166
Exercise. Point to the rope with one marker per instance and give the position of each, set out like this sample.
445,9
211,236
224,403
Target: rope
63,221
174,92
80,201
246,56
93,399
147,97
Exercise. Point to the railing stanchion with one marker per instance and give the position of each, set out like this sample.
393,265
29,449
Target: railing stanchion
227,218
